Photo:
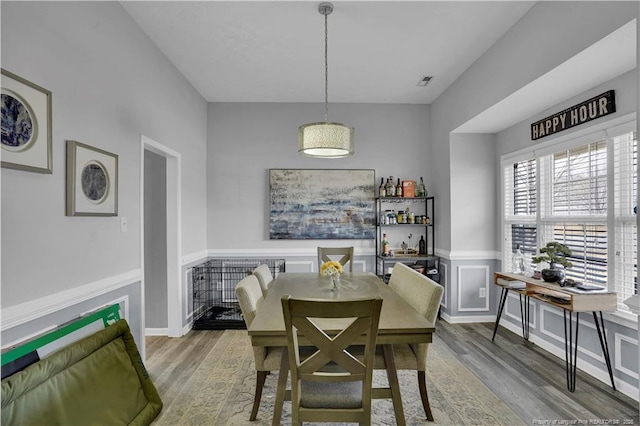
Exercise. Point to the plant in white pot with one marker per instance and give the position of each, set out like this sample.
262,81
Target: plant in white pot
555,254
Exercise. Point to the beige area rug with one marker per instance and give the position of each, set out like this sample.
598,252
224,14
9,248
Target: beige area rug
220,392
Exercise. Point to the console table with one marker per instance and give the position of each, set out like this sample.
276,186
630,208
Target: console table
572,301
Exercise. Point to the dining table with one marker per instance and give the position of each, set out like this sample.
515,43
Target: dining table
399,323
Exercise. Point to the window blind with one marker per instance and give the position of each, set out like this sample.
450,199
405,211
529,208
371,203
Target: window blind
582,194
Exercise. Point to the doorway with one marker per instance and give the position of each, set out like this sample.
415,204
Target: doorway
161,297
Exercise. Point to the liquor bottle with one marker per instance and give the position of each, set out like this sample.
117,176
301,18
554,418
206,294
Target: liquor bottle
421,191
422,245
382,191
391,190
385,245
518,261
399,189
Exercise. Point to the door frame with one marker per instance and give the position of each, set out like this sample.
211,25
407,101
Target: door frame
174,234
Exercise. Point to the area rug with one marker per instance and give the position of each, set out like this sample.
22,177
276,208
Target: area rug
220,392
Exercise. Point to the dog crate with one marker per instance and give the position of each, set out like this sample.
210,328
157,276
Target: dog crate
215,306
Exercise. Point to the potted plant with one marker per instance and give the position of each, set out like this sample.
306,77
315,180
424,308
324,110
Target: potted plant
554,253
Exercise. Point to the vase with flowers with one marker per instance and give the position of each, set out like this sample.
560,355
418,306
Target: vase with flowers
332,269
554,253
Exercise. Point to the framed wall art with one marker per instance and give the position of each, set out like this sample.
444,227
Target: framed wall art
26,125
321,204
92,181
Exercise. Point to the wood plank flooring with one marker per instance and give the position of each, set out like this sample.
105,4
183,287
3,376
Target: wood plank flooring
532,381
527,378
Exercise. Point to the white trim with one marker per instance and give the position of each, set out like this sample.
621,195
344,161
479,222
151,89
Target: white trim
194,257
619,338
156,332
468,320
511,297
308,263
288,252
174,233
486,286
444,283
22,313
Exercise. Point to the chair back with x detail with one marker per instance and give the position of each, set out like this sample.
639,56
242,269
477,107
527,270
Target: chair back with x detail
343,255
331,384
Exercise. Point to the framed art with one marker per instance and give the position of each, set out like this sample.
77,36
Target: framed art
92,181
321,204
26,125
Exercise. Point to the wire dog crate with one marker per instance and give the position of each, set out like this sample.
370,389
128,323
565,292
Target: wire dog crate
215,306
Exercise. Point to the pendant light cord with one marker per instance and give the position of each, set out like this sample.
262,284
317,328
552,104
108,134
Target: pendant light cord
326,70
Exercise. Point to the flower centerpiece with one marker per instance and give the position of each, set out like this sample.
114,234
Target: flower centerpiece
333,269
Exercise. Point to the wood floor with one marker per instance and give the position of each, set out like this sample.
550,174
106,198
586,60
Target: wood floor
527,378
532,381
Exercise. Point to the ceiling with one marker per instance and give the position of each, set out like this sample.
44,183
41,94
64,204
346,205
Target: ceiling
273,51
266,51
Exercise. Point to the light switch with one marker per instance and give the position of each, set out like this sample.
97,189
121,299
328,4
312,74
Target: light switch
124,224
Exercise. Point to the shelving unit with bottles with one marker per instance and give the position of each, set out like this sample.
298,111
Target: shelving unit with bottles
397,233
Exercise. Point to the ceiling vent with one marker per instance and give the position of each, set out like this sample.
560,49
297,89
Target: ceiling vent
425,80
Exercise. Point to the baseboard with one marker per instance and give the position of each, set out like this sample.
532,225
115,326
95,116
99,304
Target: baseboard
156,331
468,320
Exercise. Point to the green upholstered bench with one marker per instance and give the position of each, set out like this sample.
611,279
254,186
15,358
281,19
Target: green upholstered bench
98,380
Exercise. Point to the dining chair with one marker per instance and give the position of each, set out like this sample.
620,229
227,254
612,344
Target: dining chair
263,273
331,384
343,255
266,359
424,295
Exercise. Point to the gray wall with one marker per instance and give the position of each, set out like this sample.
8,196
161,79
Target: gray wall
246,140
549,34
155,240
110,84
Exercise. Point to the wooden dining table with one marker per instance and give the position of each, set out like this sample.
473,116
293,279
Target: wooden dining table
399,323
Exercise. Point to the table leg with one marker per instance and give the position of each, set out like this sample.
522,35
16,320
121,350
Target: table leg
603,343
282,388
392,376
571,349
503,299
524,316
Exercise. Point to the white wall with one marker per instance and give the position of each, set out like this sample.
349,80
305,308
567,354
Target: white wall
246,140
110,84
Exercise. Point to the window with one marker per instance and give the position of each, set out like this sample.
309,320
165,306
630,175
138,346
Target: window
582,194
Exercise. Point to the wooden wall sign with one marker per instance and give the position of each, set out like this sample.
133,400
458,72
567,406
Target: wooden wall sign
591,109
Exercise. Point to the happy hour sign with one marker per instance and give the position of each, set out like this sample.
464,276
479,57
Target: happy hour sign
591,109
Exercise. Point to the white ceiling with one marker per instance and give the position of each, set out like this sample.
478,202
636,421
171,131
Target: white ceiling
273,51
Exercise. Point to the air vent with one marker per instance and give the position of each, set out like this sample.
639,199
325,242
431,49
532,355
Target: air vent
425,80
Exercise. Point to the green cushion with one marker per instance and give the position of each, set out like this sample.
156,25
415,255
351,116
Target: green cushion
98,380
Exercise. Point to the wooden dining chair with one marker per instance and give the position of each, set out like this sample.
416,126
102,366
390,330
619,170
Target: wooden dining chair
424,295
331,384
266,359
343,255
263,273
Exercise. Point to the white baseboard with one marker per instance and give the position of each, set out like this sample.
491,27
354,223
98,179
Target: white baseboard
156,331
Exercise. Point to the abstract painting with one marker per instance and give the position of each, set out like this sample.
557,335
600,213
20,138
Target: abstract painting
321,204
26,125
92,181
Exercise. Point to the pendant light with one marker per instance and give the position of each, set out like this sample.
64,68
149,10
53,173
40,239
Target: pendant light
325,139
